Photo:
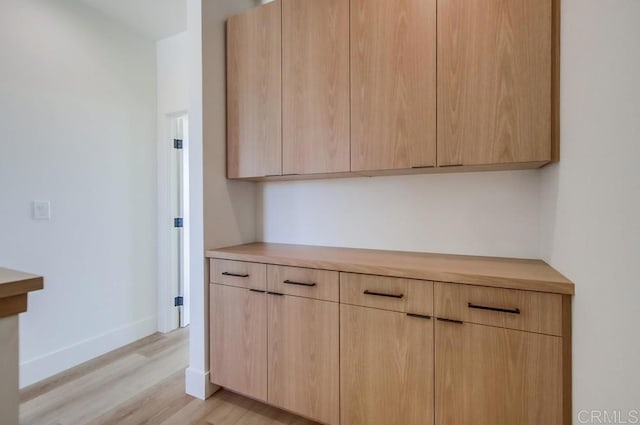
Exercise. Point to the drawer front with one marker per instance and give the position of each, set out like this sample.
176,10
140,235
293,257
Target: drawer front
239,273
506,308
310,283
388,293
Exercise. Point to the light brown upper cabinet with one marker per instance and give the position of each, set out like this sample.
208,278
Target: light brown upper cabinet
320,88
254,92
494,81
393,84
315,90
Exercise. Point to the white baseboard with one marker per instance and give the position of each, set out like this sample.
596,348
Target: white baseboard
198,385
39,368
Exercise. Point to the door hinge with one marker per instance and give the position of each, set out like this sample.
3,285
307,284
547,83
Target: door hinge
178,222
177,143
178,301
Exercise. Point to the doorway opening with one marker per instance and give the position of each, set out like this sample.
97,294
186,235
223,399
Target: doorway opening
179,205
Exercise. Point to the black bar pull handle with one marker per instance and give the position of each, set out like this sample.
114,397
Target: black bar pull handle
275,293
458,322
291,282
381,294
257,290
419,316
500,310
234,274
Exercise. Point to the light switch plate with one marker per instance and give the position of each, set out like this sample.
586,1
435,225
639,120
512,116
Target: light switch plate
41,210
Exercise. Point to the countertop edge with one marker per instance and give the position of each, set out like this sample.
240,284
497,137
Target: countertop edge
23,283
538,285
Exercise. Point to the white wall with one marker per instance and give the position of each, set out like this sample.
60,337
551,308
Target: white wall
591,199
77,113
222,212
172,59
480,213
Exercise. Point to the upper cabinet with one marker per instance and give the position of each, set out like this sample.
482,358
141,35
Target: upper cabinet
370,87
393,84
315,86
494,81
254,93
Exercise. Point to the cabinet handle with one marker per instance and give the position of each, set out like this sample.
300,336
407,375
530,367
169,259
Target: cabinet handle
291,282
234,274
501,310
458,322
257,290
275,293
380,294
419,316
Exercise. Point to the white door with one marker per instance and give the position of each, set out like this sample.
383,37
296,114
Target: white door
179,201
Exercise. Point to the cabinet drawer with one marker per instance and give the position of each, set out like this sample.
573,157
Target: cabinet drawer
239,273
388,293
310,283
506,308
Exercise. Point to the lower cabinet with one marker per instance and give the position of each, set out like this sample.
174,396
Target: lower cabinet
280,349
386,364
355,349
239,340
304,357
493,376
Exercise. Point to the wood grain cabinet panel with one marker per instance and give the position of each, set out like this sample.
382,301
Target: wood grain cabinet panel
242,274
254,92
493,376
386,366
393,84
494,81
239,340
304,357
315,91
387,293
303,282
505,308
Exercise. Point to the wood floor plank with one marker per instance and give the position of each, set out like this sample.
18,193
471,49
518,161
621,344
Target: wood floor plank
140,384
36,390
151,407
230,408
91,396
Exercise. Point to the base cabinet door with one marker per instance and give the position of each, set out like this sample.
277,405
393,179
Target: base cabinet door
386,366
239,340
303,357
492,376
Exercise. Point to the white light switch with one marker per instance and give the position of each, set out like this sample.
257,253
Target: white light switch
41,210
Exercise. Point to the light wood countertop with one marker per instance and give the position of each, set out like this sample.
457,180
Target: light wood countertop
533,275
14,287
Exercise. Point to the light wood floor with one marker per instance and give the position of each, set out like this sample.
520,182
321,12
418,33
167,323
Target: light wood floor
142,383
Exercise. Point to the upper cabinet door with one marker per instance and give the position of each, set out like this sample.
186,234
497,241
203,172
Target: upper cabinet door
393,84
315,58
494,81
254,92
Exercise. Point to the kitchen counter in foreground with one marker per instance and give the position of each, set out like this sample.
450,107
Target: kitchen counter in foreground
14,288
